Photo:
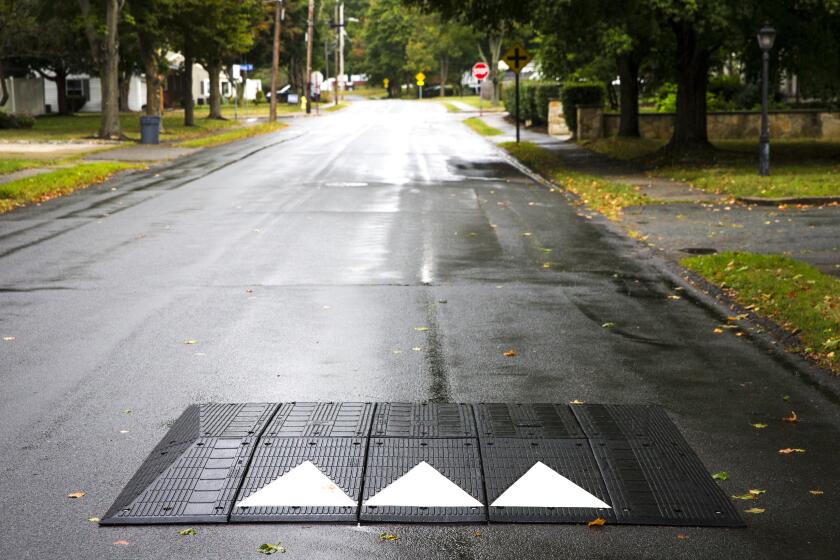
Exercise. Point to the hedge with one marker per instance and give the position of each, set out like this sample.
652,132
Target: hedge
580,93
533,100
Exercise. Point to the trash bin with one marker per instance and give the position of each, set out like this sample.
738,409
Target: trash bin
150,130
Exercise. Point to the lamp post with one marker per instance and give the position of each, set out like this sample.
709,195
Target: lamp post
766,38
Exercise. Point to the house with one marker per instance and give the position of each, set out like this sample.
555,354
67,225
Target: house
89,87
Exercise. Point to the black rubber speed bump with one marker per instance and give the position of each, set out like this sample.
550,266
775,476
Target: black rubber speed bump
651,473
529,450
194,473
308,465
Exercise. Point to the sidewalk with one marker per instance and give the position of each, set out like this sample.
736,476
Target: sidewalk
685,221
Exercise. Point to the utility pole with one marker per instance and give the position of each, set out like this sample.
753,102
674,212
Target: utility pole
338,25
275,62
309,38
341,44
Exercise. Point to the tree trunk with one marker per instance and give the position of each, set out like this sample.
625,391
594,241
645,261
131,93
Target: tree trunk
125,90
692,68
214,69
444,72
4,92
61,91
109,125
188,101
628,73
153,79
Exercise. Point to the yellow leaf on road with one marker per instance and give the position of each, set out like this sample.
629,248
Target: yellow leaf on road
75,495
754,510
748,496
793,418
597,522
758,426
789,450
509,353
421,329
816,492
191,341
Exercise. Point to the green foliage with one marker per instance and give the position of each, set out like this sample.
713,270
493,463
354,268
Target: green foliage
577,94
13,120
481,127
533,100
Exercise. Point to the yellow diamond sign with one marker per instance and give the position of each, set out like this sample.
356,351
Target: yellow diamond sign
420,77
517,57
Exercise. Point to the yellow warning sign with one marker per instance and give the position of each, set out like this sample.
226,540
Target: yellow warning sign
420,77
517,57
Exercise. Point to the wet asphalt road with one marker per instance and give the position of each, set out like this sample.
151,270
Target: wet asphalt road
301,263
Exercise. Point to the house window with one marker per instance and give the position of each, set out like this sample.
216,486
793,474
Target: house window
78,88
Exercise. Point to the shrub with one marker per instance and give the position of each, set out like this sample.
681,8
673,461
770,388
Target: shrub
533,100
580,94
259,97
75,103
11,120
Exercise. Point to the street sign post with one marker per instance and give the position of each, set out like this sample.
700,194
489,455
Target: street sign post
421,81
480,71
517,58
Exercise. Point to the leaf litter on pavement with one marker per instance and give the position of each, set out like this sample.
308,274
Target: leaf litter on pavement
271,548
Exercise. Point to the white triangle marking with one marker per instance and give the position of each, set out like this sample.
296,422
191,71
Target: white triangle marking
542,486
304,485
423,486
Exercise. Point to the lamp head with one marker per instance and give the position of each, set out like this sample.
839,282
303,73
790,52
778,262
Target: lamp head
766,37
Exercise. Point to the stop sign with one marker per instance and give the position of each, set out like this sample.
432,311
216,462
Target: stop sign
480,71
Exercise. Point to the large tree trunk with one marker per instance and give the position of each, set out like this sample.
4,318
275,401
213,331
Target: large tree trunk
109,124
125,90
692,68
628,73
188,101
444,72
153,80
61,91
214,69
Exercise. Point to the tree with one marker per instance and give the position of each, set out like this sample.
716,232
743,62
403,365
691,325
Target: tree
103,41
149,20
17,30
386,32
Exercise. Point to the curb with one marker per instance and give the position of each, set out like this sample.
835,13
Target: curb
709,296
809,200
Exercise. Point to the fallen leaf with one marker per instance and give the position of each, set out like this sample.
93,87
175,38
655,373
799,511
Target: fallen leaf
526,234
476,533
717,330
509,353
397,351
121,543
269,548
123,431
575,402
421,329
759,426
754,510
789,450
786,397
546,250
793,418
416,348
191,341
8,338
597,522
747,496
722,475
187,532
93,519
674,296
386,536
546,265
75,495
816,492
757,492
682,536
608,326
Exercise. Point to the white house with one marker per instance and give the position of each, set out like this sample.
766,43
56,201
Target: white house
91,89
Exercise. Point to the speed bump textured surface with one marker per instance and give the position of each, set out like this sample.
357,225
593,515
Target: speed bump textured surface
423,462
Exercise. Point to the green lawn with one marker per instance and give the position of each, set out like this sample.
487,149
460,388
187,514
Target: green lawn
56,183
481,127
607,197
793,294
226,136
473,101
798,168
332,107
11,165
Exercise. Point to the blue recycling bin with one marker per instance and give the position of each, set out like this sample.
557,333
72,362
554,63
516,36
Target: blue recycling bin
149,129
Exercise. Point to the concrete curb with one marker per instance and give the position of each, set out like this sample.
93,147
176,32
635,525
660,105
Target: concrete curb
809,200
709,296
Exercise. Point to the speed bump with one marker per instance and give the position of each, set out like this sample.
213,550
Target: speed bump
423,462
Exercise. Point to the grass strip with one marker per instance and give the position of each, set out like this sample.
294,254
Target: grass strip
12,165
231,135
607,197
450,107
743,180
45,186
481,127
333,107
795,295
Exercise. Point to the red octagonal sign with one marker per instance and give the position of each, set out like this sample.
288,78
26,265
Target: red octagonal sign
480,71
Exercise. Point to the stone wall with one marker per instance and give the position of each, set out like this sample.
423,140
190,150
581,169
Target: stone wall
734,125
557,120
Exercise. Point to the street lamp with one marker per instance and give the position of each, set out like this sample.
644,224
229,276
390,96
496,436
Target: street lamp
766,38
